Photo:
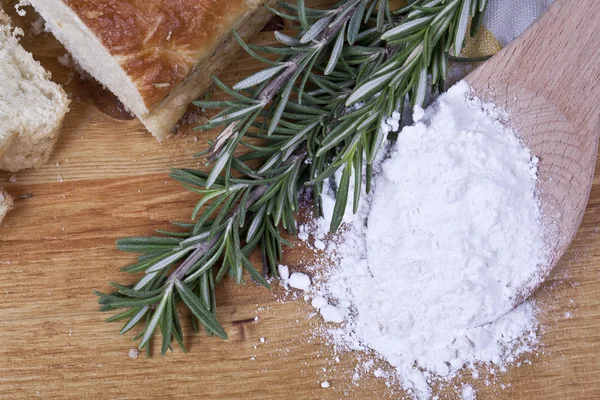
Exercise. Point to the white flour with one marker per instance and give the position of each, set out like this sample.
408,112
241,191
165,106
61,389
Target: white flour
442,246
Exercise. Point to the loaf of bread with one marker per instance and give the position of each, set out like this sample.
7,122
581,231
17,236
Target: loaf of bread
157,56
32,107
6,203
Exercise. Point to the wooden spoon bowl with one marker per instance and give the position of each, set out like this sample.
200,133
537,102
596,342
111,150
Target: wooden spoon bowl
548,80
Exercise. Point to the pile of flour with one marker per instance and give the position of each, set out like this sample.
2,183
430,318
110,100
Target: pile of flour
439,249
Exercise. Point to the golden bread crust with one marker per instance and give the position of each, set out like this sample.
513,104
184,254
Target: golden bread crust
165,115
159,42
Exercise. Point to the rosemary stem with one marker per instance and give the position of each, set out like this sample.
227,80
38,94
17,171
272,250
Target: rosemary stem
202,248
271,90
268,93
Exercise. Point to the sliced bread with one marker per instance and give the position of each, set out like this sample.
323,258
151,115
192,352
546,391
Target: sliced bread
6,203
157,56
32,107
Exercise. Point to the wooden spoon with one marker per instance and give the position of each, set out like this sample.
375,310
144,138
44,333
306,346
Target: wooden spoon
548,80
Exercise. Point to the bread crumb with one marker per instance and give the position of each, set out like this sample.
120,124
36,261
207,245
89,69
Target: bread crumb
18,32
190,118
37,26
64,60
21,11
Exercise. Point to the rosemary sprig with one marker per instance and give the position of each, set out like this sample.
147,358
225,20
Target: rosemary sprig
316,109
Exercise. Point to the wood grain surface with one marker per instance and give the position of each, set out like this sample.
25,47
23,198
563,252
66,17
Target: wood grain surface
108,179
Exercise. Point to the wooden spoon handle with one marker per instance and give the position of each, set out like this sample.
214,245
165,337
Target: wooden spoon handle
558,59
548,80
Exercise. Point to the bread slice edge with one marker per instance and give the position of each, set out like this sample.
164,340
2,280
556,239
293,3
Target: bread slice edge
162,118
89,52
29,146
6,204
27,152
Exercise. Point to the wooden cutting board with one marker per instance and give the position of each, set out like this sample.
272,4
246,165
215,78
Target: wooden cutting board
108,179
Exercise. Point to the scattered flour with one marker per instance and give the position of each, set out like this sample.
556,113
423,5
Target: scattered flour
134,353
319,244
442,246
284,272
468,393
318,302
331,314
303,236
298,280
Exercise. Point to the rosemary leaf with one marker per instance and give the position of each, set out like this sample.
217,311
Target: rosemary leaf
317,107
